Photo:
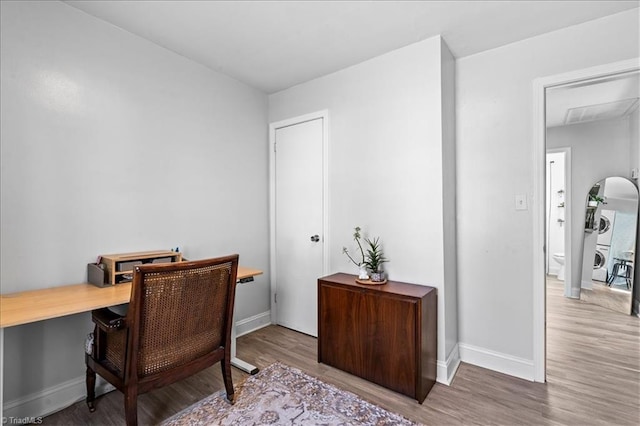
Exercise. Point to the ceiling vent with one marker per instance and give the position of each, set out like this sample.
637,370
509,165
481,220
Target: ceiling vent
605,111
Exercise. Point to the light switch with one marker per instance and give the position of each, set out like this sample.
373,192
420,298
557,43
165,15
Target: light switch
521,202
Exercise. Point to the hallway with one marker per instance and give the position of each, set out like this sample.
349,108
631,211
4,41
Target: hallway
593,358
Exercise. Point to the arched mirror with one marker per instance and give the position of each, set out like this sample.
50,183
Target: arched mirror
610,231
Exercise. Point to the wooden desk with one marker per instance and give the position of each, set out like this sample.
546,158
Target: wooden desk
47,303
37,305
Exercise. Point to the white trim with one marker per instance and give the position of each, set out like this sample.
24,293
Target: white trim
538,148
568,222
539,232
503,363
587,285
324,115
575,293
48,401
251,324
447,369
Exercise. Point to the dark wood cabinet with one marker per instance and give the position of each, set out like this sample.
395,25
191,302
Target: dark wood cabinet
386,334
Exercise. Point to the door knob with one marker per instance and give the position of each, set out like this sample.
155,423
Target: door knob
315,238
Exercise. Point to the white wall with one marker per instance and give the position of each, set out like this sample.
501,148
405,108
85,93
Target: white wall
450,284
494,147
113,144
386,156
634,131
599,149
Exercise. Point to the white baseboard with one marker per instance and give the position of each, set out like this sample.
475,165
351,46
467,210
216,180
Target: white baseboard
587,284
447,369
503,363
575,293
253,323
53,399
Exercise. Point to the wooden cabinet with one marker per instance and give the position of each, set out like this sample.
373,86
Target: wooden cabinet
386,334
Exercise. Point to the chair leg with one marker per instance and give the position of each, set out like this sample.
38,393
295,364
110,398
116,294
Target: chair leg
226,377
91,389
614,274
131,405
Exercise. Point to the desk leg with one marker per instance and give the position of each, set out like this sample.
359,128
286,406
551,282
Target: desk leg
1,375
238,363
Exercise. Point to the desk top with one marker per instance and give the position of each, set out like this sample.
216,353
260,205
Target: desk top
37,305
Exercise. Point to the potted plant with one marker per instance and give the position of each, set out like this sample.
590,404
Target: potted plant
371,262
361,265
594,200
374,259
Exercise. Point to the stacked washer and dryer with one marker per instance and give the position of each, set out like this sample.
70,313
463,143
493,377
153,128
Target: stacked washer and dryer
603,245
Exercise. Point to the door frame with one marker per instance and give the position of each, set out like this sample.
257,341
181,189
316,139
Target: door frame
539,187
568,223
324,115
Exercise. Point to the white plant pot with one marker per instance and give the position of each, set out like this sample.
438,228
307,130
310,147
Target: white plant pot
363,273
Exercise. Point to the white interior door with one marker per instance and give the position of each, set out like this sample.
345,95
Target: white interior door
298,223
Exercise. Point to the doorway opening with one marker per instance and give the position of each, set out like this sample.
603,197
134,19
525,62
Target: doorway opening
559,253
542,89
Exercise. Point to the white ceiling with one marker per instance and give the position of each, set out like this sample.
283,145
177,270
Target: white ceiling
273,45
602,99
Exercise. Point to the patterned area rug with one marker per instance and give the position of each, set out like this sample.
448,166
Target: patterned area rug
282,395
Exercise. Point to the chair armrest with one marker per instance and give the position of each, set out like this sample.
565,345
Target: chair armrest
108,320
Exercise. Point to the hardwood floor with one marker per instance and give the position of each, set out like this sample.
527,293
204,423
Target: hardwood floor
593,373
616,297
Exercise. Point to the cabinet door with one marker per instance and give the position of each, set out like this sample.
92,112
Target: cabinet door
339,329
389,341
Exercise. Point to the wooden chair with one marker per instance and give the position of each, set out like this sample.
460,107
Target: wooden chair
178,323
